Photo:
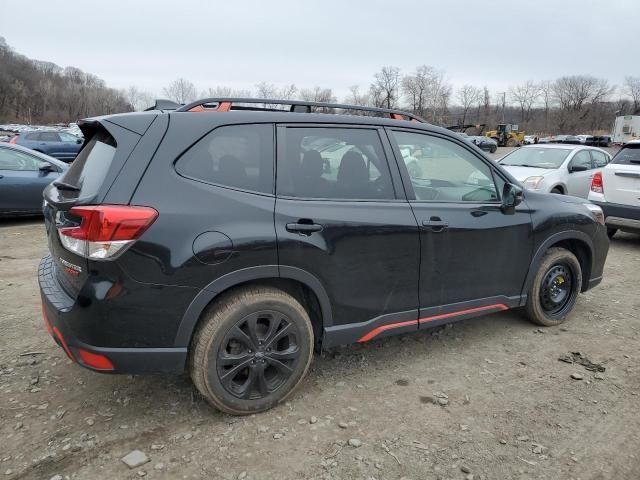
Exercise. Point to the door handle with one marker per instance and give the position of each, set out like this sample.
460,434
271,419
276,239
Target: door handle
303,228
435,224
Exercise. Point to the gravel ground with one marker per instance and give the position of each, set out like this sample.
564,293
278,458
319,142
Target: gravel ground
482,399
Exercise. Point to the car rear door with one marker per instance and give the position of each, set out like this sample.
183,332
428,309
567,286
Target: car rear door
621,178
474,257
579,182
341,218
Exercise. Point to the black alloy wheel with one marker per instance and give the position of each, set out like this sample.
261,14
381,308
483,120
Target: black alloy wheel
258,354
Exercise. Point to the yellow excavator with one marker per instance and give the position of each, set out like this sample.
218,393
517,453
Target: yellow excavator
506,135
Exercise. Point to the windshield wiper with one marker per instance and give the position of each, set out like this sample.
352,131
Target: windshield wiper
521,165
66,186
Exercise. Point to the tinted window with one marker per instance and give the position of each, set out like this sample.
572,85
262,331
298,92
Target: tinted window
49,137
15,160
628,155
539,157
582,159
443,171
600,159
91,165
334,163
32,136
238,156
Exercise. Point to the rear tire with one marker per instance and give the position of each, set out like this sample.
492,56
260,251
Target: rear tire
555,288
493,149
251,350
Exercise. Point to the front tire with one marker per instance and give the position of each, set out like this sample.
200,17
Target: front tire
251,350
555,288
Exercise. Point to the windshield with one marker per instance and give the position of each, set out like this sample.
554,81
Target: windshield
536,157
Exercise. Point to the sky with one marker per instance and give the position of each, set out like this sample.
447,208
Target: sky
329,43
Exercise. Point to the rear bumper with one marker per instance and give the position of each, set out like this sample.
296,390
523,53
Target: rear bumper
625,217
57,310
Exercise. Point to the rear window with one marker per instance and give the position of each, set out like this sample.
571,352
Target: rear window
236,156
88,170
628,155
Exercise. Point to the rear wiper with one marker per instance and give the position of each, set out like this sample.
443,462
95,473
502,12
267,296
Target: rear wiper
66,186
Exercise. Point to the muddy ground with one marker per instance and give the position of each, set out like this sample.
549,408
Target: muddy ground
485,398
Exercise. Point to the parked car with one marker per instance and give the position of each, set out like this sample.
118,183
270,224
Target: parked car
565,169
23,176
484,143
602,140
616,189
60,145
559,138
586,139
573,140
240,273
529,139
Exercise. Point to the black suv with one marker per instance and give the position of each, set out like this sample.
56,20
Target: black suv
231,238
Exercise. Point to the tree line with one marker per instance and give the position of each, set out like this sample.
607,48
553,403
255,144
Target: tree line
34,91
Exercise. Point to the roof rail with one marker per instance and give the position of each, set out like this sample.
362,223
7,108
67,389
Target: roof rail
223,104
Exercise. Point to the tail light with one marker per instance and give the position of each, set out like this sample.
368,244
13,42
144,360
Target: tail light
597,185
106,231
14,139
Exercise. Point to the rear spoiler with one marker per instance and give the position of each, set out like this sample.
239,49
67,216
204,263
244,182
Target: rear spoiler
163,104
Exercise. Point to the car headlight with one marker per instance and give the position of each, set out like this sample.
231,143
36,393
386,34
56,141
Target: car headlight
596,212
532,182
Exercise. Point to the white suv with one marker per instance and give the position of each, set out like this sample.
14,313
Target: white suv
616,188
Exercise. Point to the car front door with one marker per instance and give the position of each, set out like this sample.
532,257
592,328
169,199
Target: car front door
342,221
49,143
474,257
22,181
579,181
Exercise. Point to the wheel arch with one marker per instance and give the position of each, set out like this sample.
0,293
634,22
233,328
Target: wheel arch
302,285
576,242
559,186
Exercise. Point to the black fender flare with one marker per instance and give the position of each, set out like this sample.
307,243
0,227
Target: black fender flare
215,288
544,246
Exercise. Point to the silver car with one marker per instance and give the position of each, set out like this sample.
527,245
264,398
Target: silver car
564,169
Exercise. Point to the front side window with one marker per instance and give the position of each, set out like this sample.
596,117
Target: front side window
67,137
582,159
236,156
600,159
334,163
18,161
443,171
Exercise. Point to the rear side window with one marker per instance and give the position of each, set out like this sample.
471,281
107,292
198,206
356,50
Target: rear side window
49,137
628,156
236,156
334,163
88,170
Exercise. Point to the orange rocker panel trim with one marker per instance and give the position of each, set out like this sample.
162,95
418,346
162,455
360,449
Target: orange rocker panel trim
383,328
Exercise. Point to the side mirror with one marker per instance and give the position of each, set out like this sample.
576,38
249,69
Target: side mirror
512,196
46,168
577,168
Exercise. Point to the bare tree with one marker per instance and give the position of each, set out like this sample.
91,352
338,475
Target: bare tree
424,89
384,90
138,99
525,95
632,88
576,95
181,91
221,91
319,94
546,95
468,96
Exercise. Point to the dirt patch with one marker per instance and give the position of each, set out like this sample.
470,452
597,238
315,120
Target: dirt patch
486,397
